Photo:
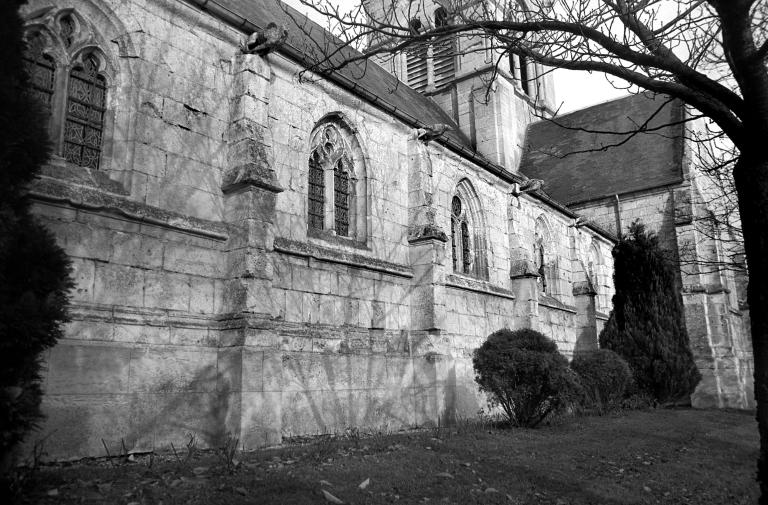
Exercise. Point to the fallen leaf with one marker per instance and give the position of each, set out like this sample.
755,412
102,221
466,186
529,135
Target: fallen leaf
131,458
200,470
241,490
444,474
364,484
491,490
53,492
646,489
330,497
325,483
103,488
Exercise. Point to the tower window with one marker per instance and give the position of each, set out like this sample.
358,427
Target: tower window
441,17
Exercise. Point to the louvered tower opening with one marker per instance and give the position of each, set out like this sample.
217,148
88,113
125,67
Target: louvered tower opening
416,63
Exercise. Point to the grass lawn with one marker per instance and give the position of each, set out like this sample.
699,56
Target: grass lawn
660,456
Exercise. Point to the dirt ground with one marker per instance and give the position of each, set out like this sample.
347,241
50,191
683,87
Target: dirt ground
641,457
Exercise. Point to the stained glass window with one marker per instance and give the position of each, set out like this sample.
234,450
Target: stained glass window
466,255
316,193
85,114
41,70
455,235
341,199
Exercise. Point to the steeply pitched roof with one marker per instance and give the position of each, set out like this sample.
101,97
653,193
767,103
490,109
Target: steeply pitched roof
308,42
635,162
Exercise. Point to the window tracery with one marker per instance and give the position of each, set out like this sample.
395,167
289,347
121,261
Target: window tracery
336,182
467,232
71,83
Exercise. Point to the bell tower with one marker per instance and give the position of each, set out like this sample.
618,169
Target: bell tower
491,96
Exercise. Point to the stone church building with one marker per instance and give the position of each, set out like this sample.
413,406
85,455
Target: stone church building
265,255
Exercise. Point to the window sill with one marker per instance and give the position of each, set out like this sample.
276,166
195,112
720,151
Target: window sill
554,303
459,281
332,255
330,237
60,169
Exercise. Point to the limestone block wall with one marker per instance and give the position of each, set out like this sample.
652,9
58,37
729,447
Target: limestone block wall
204,304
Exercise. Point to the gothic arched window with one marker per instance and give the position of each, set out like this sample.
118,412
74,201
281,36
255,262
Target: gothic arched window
71,83
85,114
467,232
542,257
336,182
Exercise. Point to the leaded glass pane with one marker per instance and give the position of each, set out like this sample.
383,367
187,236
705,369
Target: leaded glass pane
341,200
41,70
85,115
465,253
316,194
454,244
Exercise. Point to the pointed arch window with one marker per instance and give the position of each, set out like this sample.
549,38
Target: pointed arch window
467,233
543,258
85,114
336,204
72,84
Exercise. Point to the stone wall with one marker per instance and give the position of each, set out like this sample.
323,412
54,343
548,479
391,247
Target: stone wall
205,304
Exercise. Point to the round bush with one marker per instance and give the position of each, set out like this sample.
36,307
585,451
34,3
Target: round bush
523,373
605,377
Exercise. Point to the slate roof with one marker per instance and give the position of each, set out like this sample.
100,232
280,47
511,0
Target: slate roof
307,43
643,161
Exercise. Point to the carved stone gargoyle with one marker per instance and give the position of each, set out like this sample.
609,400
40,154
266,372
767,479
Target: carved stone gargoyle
529,186
265,41
431,132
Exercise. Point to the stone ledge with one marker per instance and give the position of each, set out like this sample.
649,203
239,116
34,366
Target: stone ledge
328,255
556,304
81,197
477,286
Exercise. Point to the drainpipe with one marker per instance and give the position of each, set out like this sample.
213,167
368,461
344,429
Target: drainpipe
618,216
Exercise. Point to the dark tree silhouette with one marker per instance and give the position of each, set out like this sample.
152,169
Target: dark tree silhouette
34,271
646,326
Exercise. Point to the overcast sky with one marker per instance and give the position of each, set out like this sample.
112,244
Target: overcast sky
574,90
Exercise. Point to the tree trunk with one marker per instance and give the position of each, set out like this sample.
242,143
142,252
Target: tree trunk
751,177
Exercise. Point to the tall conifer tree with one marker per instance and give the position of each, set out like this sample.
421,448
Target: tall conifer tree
646,326
34,271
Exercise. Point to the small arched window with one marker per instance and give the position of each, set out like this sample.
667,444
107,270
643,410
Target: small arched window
542,256
85,114
336,189
441,17
467,232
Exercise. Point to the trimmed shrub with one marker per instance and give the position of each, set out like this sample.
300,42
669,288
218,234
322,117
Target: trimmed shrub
34,271
605,377
646,325
524,374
